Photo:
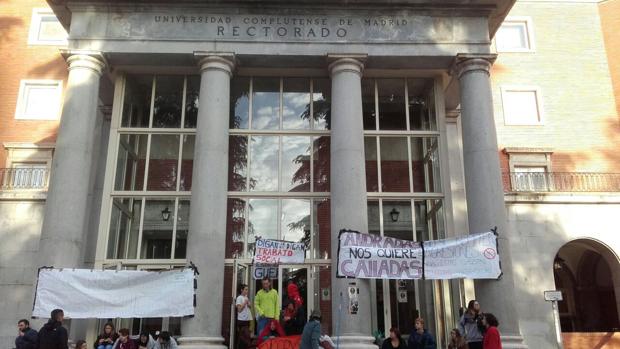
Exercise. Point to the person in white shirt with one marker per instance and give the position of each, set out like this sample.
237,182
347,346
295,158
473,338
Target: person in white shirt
244,316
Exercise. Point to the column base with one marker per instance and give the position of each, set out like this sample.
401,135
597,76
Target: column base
201,343
513,342
355,342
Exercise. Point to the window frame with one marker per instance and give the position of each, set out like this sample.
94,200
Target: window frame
20,108
505,89
528,25
38,14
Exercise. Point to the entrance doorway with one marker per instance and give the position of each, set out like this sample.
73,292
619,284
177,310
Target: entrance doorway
586,272
302,276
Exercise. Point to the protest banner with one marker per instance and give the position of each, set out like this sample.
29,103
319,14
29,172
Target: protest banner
367,256
471,256
104,294
279,252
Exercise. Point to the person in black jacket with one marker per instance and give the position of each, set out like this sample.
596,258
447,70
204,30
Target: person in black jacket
27,338
52,335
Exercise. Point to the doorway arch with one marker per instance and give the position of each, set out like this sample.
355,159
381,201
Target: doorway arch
588,273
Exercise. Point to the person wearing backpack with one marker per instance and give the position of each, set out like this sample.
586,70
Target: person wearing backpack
52,335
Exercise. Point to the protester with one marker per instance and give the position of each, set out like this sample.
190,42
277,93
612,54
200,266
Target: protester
456,340
165,341
311,336
81,344
145,341
420,338
123,341
491,335
272,330
244,316
52,335
292,319
107,338
26,336
395,341
266,305
292,292
470,325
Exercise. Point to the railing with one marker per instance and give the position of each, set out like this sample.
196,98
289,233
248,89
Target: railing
23,178
561,182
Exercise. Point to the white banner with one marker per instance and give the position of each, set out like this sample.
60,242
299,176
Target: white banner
85,293
366,256
279,252
472,256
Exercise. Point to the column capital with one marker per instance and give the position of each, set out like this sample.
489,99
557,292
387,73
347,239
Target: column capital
93,60
468,62
224,61
346,62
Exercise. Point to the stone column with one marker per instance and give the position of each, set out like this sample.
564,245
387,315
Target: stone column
66,210
484,190
207,220
348,197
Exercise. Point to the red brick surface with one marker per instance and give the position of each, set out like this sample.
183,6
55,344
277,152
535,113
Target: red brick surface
22,61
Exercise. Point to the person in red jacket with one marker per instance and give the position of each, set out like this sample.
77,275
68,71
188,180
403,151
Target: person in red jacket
491,335
271,331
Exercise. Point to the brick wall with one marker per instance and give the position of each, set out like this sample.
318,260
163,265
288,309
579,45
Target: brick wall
570,67
21,61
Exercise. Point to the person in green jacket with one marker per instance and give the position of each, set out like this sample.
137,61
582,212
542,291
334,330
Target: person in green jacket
266,305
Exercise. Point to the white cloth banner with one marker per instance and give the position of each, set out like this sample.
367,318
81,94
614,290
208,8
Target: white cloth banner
367,256
279,252
85,293
472,256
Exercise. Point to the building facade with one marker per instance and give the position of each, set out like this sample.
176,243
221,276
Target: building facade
189,129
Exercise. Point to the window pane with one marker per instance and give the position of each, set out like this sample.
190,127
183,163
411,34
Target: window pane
296,104
266,104
392,106
321,159
263,219
137,101
163,162
41,100
168,101
157,229
374,219
191,101
264,163
130,163
180,248
322,228
50,29
520,107
295,164
237,163
187,163
239,103
321,97
421,105
295,222
397,222
235,228
425,165
511,36
368,104
394,164
372,175
124,228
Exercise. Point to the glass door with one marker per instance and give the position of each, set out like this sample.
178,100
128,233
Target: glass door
241,277
296,287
